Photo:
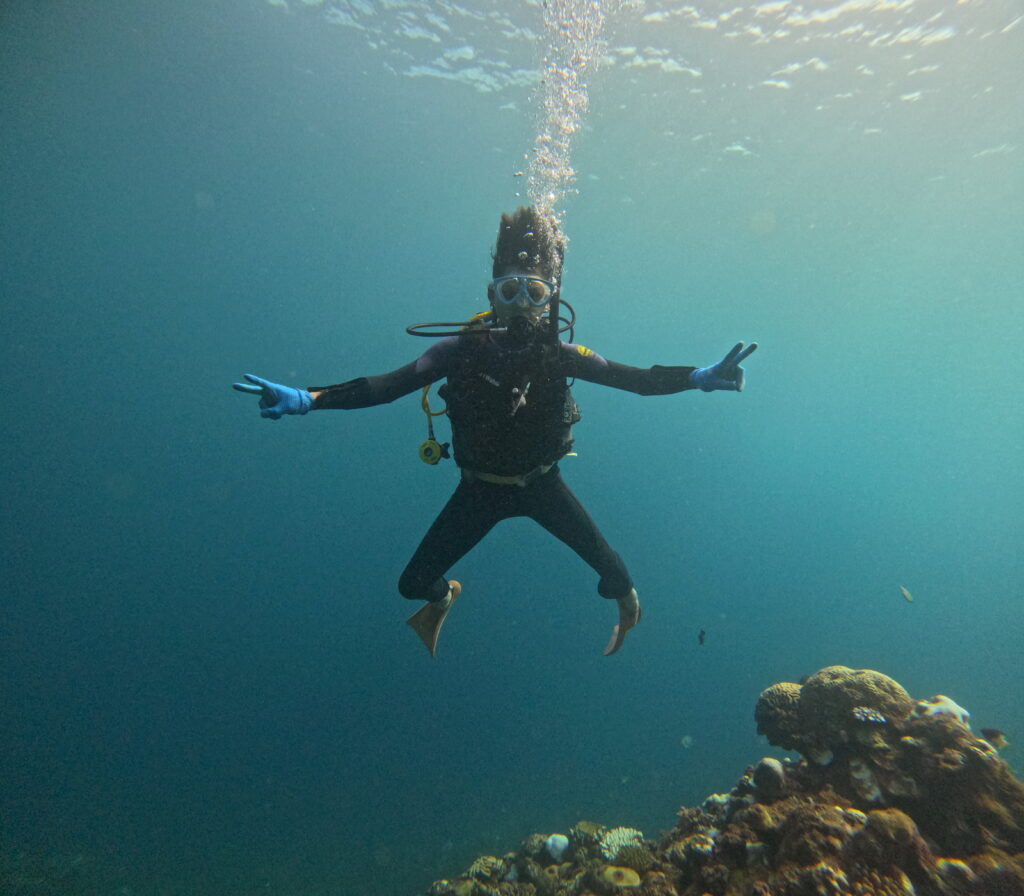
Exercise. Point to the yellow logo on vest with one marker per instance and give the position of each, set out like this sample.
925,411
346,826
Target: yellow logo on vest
584,351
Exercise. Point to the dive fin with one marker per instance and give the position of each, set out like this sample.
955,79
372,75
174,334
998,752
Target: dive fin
429,618
629,615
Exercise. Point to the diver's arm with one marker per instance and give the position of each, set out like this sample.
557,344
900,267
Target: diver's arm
369,391
726,374
657,380
277,401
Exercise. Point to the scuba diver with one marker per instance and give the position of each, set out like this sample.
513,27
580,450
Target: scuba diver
511,413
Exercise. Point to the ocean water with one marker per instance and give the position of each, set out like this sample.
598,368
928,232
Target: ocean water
207,684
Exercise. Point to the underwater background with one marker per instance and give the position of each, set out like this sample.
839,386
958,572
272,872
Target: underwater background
207,686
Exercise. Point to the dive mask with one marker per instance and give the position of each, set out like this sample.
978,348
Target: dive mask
511,288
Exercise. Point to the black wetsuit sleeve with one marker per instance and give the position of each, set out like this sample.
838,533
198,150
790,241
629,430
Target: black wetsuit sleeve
368,391
657,380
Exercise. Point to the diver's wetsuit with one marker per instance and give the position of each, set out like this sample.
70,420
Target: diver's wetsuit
511,413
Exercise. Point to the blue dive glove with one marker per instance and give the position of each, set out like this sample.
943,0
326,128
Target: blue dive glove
726,374
276,400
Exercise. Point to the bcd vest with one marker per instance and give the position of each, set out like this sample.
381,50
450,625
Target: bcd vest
511,410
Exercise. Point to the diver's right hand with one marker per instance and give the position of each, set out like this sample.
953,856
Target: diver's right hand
276,400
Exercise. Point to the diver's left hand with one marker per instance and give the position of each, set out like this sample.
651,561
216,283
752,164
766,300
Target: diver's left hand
726,374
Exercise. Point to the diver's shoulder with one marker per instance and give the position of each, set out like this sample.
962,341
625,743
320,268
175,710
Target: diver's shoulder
450,345
441,355
459,347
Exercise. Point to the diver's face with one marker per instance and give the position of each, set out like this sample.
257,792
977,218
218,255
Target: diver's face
520,292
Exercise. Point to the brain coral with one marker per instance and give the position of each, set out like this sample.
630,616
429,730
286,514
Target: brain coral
829,697
820,714
776,715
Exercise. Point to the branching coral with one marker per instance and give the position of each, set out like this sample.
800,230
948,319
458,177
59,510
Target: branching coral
615,839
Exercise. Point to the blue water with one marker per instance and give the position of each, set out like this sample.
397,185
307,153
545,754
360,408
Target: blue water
207,684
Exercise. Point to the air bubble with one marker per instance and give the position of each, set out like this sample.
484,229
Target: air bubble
574,39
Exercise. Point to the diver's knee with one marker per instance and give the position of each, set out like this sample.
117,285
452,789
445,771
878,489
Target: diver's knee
410,586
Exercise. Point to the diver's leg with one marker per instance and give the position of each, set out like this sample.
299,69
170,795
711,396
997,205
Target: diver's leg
558,510
463,521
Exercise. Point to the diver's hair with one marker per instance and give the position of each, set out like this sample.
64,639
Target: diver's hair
529,239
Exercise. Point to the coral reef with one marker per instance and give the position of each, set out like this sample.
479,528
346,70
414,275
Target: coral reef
889,797
614,840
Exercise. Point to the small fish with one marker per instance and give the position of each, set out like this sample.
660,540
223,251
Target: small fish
700,637
907,596
995,737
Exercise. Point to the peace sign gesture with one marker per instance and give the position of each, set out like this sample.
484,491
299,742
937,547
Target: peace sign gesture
726,374
276,400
